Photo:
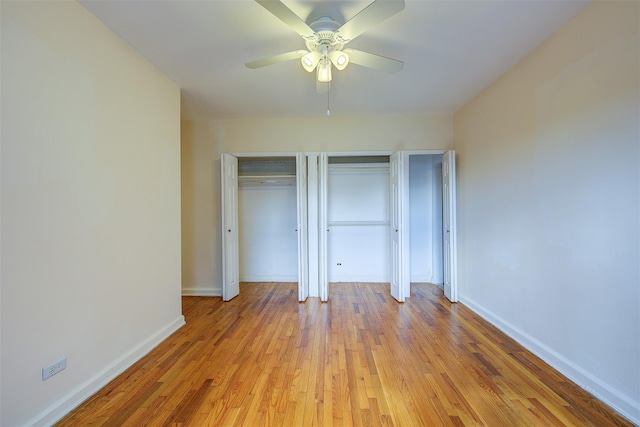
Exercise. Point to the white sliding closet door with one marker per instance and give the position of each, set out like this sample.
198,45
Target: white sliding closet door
230,253
449,225
303,241
398,179
323,226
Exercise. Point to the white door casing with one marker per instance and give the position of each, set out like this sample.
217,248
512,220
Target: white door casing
323,226
312,224
230,251
405,225
303,245
449,225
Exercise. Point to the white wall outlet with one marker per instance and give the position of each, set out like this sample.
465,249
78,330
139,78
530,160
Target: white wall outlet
54,368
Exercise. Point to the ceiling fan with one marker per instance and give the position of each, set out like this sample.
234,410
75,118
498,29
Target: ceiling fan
325,40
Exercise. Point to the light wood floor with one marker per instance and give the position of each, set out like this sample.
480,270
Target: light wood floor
361,359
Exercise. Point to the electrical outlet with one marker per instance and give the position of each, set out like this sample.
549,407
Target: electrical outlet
54,368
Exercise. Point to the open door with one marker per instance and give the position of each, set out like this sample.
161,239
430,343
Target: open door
230,254
303,241
398,226
449,225
323,226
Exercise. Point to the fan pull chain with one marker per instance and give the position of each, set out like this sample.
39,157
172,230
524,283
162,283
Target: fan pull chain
328,91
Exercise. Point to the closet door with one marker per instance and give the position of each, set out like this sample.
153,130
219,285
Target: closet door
230,254
323,226
303,241
449,225
398,235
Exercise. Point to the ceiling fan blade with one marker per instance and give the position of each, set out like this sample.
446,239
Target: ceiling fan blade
322,87
374,61
286,15
283,57
368,18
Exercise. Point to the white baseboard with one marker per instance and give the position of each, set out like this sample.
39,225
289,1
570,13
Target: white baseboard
202,292
620,402
69,402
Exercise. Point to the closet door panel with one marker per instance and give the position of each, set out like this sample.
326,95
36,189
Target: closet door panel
399,225
449,225
230,253
302,228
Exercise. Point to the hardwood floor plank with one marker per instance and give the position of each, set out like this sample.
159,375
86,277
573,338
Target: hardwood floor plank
361,359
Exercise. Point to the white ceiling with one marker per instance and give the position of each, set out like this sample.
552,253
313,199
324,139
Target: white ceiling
452,49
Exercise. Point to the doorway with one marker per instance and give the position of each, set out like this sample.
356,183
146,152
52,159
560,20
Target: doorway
425,220
420,222
264,219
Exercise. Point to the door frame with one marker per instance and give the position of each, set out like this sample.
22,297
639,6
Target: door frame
303,282
323,227
322,178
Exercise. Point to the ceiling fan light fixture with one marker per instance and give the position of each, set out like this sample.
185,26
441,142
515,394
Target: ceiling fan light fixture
310,61
325,39
339,59
324,71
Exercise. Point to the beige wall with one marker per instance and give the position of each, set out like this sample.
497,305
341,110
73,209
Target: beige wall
203,141
90,207
549,202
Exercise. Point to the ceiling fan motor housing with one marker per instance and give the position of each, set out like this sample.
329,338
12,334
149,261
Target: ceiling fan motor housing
325,34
